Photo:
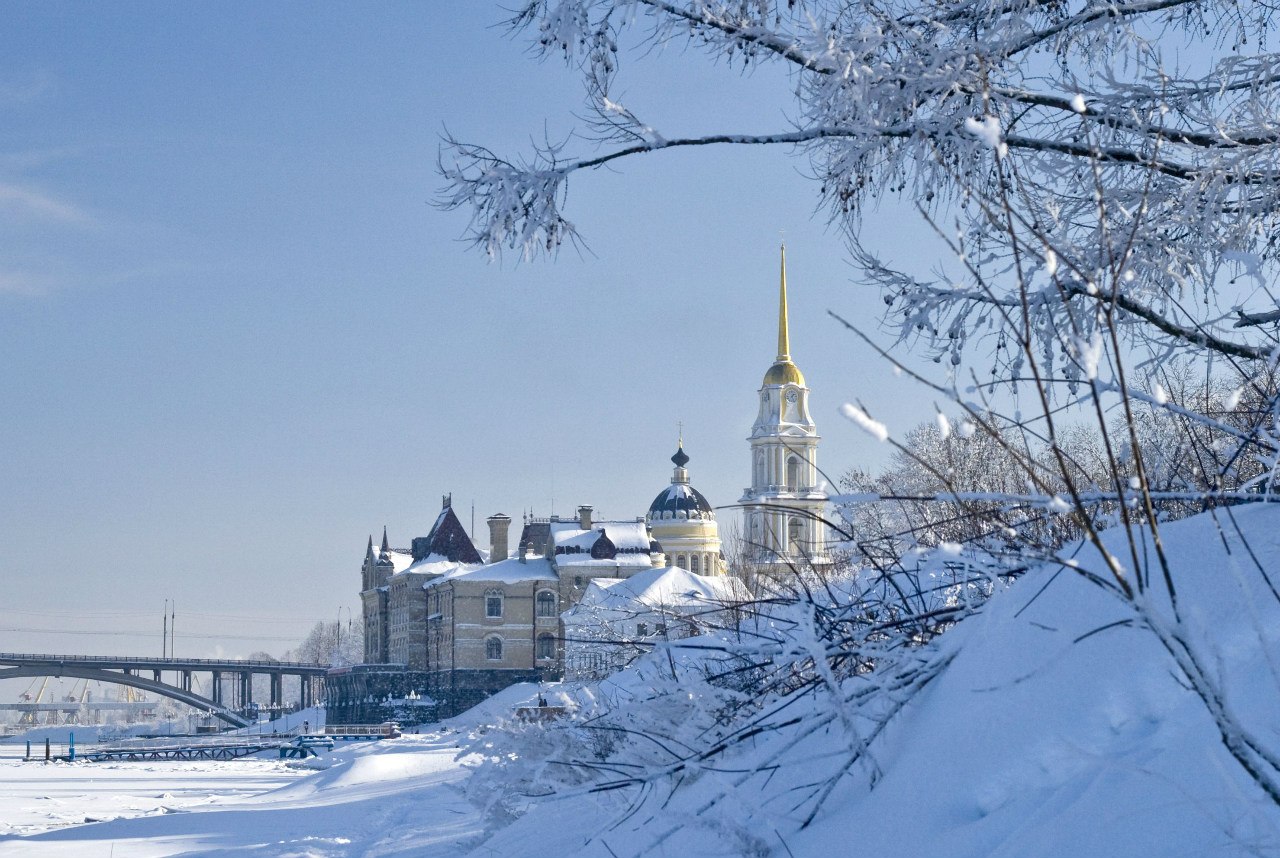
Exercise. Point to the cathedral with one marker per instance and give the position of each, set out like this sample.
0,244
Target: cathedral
448,623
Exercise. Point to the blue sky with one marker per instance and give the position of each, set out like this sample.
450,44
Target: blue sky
237,338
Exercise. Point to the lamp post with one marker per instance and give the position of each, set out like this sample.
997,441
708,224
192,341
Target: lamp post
337,647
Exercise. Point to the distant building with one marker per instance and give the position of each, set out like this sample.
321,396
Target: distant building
447,624
618,619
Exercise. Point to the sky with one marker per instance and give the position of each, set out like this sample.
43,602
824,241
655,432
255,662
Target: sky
237,338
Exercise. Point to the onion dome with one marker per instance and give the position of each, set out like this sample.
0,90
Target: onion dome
681,458
680,500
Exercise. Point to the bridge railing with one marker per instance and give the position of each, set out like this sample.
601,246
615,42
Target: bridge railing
228,664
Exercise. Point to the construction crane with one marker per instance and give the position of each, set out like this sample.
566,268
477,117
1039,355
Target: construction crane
28,719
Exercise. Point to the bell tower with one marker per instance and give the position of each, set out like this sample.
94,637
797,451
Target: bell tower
784,505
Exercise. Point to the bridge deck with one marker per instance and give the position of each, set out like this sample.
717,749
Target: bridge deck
111,662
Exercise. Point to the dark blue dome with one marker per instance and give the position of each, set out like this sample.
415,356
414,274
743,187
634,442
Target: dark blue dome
677,498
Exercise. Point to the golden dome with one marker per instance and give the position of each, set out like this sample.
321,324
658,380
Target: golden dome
784,372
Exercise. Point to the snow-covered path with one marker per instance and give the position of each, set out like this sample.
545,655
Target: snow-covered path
396,799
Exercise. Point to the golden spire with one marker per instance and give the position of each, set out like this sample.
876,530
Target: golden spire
784,344
783,370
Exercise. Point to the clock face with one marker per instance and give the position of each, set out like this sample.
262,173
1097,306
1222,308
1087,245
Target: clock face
792,396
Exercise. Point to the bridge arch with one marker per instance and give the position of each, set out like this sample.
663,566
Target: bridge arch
190,698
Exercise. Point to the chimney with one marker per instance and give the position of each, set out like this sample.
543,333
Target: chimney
499,524
584,517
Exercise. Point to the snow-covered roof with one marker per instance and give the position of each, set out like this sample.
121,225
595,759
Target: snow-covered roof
436,564
665,587
680,500
510,571
400,559
608,543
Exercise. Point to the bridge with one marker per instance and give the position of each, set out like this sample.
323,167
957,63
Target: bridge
231,681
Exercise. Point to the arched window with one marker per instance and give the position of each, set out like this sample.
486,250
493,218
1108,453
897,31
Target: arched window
695,564
793,474
795,527
493,648
759,480
546,646
682,561
546,604
493,607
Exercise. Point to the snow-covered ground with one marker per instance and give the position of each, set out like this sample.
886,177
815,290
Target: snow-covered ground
1054,729
390,799
397,797
35,797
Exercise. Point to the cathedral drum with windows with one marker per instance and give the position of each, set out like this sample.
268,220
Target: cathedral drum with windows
684,523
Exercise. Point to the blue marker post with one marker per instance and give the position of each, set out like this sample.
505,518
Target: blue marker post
28,749
71,746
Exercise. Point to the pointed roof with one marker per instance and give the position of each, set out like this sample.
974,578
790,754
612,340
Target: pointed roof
783,370
384,554
447,539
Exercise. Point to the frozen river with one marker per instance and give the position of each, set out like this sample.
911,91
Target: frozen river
395,798
38,796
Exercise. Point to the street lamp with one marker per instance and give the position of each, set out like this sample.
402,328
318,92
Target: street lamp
337,647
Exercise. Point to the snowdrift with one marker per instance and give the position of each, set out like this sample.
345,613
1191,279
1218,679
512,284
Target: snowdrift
1059,728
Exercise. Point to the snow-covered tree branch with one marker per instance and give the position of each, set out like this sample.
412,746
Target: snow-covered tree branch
1137,143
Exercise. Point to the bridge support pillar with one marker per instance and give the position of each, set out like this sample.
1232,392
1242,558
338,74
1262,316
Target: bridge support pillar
155,674
246,689
186,680
217,686
304,691
277,689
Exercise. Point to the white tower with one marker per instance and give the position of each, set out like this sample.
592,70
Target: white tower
784,506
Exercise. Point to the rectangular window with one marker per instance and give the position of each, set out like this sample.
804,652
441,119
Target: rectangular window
642,629
546,604
493,606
